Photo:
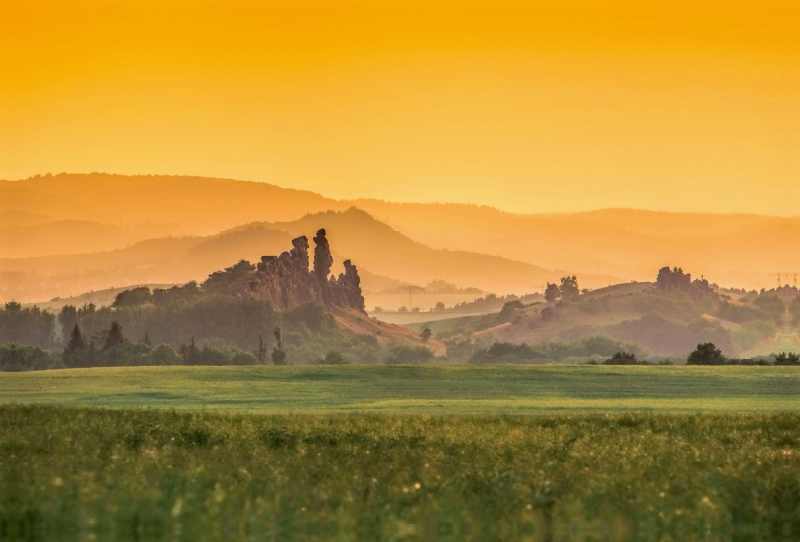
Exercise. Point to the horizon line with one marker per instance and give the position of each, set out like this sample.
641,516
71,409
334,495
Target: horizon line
47,175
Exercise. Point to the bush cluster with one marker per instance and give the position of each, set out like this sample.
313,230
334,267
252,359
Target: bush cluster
598,346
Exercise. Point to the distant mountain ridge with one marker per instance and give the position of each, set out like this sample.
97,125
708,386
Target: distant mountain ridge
736,249
354,234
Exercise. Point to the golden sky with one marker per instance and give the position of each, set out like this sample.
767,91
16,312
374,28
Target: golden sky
530,106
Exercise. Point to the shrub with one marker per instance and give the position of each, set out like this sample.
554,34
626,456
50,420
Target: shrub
706,354
504,352
405,354
164,354
333,357
623,358
133,297
22,357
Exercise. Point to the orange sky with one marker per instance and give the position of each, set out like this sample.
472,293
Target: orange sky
528,106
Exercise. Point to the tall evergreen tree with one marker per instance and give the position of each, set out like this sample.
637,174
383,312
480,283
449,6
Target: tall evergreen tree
76,340
278,353
190,354
261,353
68,317
75,354
115,336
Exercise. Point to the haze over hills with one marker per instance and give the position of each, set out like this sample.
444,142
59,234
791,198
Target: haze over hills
380,249
201,205
736,249
373,246
75,237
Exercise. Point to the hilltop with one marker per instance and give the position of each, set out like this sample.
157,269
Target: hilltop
660,321
200,205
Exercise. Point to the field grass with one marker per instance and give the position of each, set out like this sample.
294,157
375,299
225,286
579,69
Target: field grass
401,453
80,474
420,389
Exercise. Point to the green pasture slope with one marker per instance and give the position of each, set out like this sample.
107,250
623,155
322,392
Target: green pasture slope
429,389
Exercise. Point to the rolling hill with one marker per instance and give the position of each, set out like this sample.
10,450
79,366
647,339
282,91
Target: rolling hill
736,249
353,234
662,322
74,237
200,205
380,249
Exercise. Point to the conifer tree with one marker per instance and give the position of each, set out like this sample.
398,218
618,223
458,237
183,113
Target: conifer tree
76,348
261,353
115,336
76,340
190,354
278,353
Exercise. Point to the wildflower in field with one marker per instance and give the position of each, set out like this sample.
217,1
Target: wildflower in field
176,508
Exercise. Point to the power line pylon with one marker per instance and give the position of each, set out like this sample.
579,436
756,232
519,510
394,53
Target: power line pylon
786,274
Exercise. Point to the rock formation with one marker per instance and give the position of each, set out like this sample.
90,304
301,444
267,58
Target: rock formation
286,281
675,279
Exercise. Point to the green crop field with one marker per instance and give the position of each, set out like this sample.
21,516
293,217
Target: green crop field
430,389
401,453
79,474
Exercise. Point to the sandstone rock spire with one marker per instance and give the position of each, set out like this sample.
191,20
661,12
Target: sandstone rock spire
287,282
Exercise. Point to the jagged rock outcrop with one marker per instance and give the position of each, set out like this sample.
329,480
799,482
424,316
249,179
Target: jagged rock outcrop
675,279
286,281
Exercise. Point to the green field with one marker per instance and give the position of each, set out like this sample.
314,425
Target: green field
378,453
420,389
134,475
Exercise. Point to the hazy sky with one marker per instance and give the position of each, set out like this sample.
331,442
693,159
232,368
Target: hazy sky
525,105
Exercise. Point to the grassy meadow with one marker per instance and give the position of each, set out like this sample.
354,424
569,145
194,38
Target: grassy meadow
401,453
414,389
132,475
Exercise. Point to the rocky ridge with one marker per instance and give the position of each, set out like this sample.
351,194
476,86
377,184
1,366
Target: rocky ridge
286,281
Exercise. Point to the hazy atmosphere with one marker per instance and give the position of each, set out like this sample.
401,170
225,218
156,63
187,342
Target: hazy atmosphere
379,270
525,106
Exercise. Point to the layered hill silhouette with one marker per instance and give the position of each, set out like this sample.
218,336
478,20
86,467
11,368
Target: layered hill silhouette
376,248
75,214
75,236
380,249
737,249
200,205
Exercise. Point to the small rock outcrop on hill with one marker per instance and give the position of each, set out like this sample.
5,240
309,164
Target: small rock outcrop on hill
675,279
286,281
